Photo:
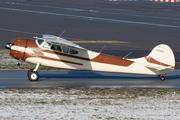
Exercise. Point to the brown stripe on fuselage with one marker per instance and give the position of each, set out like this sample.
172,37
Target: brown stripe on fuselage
66,55
53,59
32,45
101,58
152,60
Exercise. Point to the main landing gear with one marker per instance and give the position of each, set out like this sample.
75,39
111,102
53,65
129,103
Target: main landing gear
162,78
33,74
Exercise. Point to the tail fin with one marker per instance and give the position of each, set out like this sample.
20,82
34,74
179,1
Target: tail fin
162,55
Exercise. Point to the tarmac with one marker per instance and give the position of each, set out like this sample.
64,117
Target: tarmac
18,79
138,25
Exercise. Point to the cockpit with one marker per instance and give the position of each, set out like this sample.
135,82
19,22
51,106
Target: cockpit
56,47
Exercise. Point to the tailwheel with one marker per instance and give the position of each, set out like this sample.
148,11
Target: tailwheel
33,76
162,78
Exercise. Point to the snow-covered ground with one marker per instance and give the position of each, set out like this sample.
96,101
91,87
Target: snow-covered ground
88,104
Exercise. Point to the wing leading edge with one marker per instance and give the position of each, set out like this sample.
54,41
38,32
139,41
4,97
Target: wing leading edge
56,39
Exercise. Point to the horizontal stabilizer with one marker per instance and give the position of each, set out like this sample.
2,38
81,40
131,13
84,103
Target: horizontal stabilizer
160,61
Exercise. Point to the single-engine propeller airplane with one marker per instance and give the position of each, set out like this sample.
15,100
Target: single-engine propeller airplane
57,52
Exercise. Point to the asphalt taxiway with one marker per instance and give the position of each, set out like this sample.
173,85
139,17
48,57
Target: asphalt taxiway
87,79
140,25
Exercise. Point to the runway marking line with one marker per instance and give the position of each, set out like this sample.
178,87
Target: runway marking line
89,41
78,40
90,18
19,31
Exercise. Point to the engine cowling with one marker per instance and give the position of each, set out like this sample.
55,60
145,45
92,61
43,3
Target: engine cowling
18,48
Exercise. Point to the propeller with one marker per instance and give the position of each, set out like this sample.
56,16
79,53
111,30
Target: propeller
8,46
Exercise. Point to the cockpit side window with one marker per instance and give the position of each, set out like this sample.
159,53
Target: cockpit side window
40,41
65,49
73,51
56,47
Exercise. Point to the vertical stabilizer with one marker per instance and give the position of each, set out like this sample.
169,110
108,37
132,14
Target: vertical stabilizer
162,55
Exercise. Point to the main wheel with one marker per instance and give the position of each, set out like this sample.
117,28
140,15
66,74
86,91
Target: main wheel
29,72
162,78
33,76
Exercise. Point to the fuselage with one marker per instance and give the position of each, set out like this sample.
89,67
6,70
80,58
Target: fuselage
64,56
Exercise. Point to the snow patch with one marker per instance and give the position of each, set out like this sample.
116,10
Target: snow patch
78,104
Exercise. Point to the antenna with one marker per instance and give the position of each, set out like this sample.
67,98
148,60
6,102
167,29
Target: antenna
35,37
127,55
102,48
62,33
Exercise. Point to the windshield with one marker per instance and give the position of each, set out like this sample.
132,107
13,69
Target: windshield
40,41
46,45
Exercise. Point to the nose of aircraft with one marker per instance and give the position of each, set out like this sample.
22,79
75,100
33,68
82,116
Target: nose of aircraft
8,46
17,48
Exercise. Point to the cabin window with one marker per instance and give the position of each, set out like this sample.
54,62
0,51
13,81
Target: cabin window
56,47
40,41
65,49
46,45
73,51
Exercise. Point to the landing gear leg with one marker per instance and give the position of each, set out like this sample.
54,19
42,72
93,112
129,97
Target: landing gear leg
33,74
162,78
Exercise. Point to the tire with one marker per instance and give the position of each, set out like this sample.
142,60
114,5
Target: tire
29,72
162,78
33,76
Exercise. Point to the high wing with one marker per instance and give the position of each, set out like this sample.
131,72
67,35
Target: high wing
59,40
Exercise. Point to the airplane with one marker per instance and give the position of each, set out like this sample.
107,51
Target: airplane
54,51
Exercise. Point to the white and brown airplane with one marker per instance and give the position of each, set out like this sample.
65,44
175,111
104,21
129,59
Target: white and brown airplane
57,52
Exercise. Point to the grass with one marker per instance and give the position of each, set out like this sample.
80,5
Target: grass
62,102
7,62
96,97
95,93
40,102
